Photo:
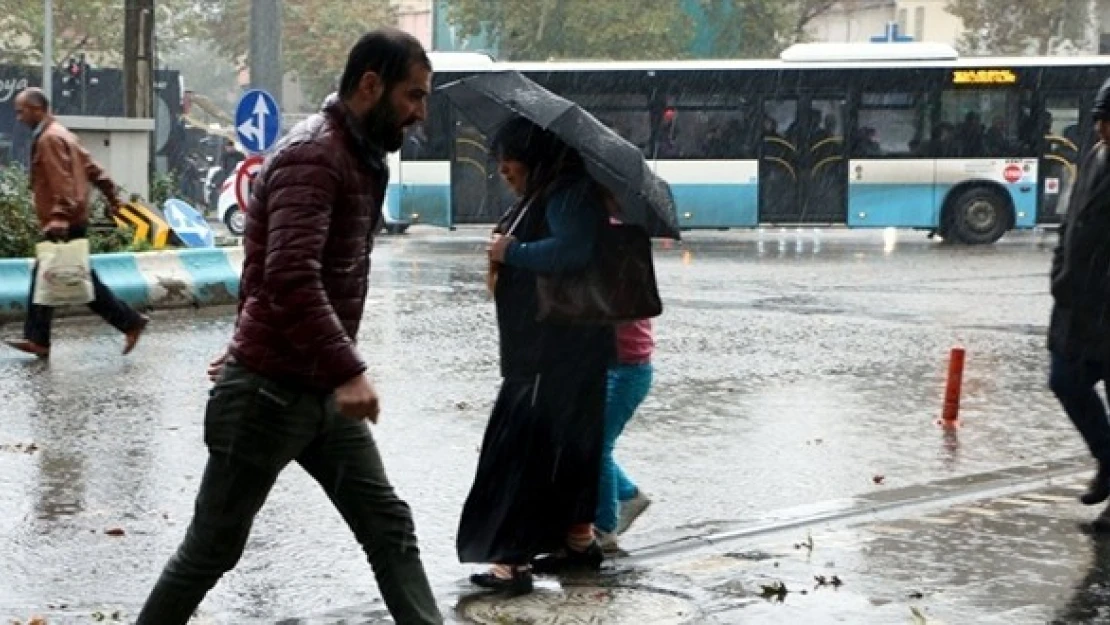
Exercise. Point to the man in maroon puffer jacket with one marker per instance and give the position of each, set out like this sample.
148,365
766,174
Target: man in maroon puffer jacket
292,386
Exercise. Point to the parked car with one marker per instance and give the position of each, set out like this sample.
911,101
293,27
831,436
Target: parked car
227,206
232,216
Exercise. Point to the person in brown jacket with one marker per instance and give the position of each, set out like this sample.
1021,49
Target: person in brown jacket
292,386
61,172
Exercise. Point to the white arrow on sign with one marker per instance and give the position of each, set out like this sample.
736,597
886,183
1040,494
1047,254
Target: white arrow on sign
256,126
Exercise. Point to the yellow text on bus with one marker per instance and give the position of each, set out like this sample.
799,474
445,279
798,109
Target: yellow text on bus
983,77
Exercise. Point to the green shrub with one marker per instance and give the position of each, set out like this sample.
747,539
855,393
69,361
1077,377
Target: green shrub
107,241
19,226
162,188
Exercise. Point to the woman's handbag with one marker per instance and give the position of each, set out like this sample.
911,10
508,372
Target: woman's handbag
617,286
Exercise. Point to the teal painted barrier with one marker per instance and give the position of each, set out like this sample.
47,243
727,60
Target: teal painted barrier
146,281
121,273
15,284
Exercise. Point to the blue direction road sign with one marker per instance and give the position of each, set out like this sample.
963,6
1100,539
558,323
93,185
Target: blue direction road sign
257,121
891,35
189,226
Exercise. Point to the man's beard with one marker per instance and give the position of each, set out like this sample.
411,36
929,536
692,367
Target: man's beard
382,126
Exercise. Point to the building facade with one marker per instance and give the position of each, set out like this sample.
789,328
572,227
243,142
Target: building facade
848,21
856,21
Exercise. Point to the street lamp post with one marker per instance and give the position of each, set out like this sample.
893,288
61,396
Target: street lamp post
48,48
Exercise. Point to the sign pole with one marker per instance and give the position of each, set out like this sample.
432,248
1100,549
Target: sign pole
48,49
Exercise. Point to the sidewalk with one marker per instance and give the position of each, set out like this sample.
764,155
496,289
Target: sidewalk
996,548
999,548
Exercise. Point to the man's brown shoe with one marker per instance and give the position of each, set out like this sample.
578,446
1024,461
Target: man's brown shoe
132,337
29,347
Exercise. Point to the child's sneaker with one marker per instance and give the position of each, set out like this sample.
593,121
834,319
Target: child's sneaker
631,510
608,542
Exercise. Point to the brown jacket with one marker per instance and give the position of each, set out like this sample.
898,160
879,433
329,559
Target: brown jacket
61,170
313,210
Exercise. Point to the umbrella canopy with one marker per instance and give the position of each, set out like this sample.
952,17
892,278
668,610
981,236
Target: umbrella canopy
491,99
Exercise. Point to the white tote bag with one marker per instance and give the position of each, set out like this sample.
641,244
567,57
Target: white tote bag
64,275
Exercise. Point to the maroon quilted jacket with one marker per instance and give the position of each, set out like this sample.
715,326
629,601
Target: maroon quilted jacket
314,208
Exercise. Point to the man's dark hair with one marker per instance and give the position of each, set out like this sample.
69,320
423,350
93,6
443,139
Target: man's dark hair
36,97
388,52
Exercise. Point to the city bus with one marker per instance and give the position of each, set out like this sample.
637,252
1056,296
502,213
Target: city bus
896,135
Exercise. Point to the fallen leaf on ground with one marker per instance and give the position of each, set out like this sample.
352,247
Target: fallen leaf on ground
919,617
777,590
21,448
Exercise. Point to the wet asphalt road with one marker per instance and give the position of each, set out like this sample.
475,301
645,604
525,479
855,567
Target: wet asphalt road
792,367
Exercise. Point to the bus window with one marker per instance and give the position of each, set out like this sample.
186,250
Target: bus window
989,123
708,127
626,113
890,125
778,117
1062,126
430,140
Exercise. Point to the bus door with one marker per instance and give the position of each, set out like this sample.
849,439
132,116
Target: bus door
1065,128
477,194
803,172
423,173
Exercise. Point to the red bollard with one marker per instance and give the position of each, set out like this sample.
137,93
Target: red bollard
951,414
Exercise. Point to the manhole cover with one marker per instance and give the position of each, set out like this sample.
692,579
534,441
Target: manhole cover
582,604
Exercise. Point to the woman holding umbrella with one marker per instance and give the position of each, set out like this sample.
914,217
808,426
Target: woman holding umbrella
535,492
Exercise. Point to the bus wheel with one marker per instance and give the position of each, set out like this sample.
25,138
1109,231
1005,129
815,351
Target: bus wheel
979,216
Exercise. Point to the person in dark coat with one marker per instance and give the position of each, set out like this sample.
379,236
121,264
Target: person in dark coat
535,492
292,385
1079,334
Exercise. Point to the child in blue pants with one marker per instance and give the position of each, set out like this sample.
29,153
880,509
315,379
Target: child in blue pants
619,500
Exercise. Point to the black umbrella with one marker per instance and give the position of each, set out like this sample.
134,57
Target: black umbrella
491,99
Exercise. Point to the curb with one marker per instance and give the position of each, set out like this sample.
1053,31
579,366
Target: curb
857,510
188,278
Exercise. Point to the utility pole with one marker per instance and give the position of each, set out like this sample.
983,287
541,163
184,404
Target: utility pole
83,82
48,49
138,58
265,47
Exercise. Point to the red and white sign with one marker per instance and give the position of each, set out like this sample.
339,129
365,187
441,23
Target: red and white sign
243,179
1052,186
1012,173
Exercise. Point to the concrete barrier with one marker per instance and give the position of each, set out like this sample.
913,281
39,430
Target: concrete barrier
147,281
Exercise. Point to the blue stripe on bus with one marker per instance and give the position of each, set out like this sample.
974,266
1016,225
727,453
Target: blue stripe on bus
893,205
1025,204
394,197
716,205
737,205
918,205
430,202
